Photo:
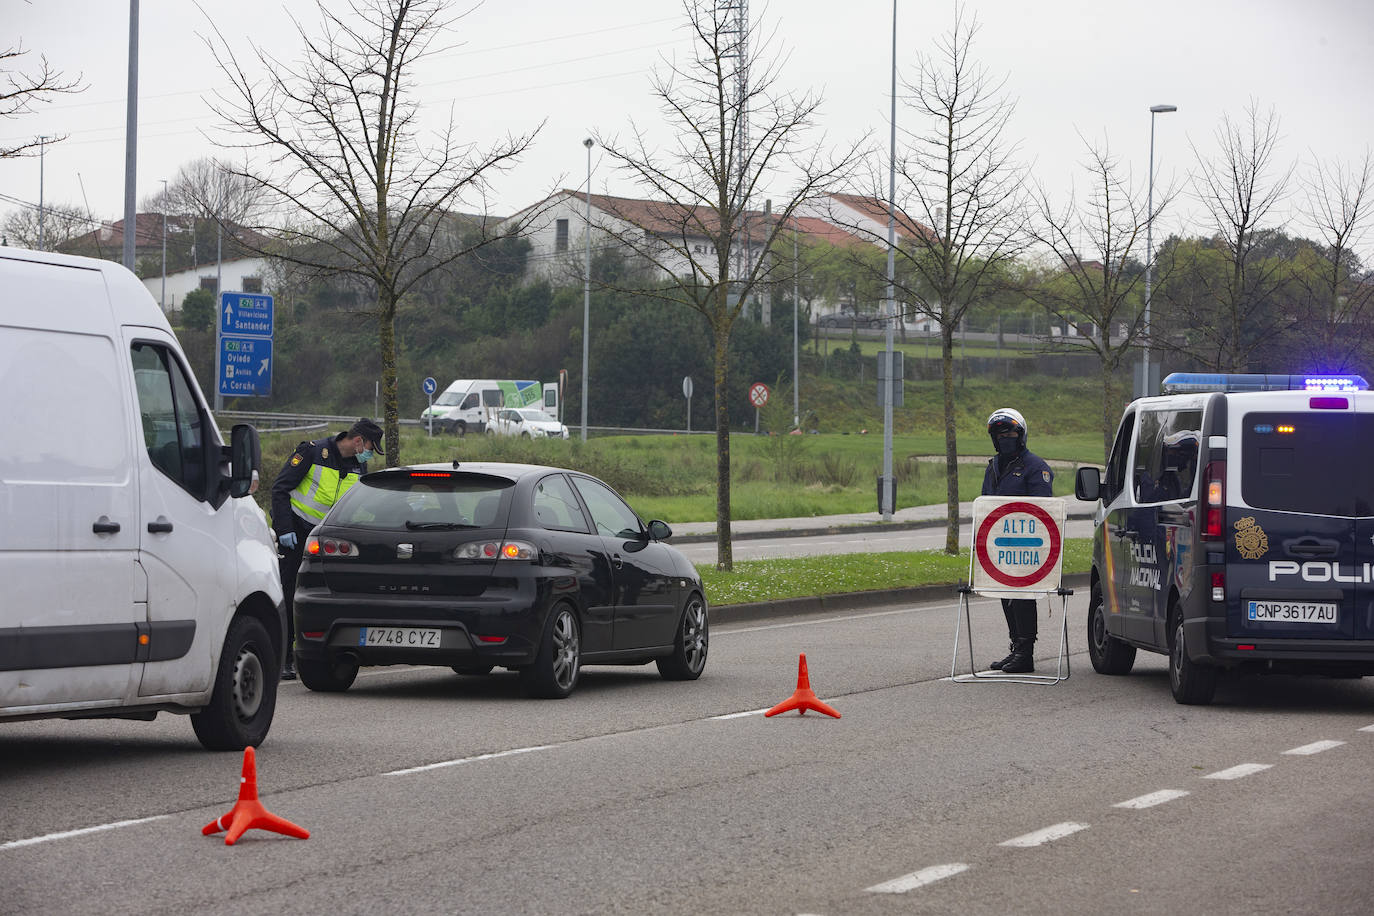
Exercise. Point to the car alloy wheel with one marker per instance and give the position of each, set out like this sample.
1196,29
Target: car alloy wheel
691,646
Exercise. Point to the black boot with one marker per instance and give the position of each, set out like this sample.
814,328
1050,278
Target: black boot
999,665
1022,658
288,671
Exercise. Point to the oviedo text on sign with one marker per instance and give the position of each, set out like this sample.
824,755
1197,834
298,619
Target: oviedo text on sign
1017,543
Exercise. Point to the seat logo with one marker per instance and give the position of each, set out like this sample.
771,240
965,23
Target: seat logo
405,551
1251,540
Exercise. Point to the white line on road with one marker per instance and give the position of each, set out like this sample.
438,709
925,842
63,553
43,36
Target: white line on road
741,715
918,879
66,834
1154,798
1316,747
1368,728
454,763
1048,835
1236,772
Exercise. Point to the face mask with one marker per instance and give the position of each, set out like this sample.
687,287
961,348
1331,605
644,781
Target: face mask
1006,447
364,456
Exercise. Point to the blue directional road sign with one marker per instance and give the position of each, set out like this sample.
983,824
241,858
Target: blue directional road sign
430,385
245,366
245,313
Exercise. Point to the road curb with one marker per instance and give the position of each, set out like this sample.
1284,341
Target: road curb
849,601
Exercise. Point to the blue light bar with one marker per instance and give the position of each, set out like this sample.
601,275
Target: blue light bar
1187,382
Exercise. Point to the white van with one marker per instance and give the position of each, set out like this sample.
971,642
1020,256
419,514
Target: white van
139,575
469,405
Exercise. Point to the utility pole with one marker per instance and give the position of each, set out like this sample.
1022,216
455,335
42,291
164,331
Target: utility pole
131,142
41,238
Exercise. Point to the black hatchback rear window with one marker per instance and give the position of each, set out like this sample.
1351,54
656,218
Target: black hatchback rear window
425,500
1308,461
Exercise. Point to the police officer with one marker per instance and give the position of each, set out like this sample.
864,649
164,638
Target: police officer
311,481
1016,471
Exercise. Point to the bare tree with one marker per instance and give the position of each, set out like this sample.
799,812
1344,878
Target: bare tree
1103,285
701,235
958,175
366,196
1339,298
1233,308
61,224
20,91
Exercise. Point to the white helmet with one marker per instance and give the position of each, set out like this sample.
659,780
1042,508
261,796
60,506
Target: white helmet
1004,418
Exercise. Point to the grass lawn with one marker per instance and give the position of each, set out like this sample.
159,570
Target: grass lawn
800,577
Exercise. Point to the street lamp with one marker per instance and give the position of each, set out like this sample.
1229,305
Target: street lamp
1145,387
41,239
164,246
587,287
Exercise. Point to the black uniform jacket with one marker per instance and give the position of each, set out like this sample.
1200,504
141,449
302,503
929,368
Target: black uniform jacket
324,452
1026,474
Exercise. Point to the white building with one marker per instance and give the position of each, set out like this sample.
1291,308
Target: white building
242,275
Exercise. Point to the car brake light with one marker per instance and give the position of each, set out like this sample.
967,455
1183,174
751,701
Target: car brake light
491,639
496,550
1218,586
330,547
1214,522
1245,648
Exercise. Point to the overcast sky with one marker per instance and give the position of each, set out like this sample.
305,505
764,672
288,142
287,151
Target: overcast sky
1073,67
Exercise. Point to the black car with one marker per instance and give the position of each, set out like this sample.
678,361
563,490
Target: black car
484,565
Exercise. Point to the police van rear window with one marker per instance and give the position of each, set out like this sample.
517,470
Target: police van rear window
1308,462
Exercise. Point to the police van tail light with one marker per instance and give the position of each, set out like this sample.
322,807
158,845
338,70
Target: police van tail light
1218,586
1214,486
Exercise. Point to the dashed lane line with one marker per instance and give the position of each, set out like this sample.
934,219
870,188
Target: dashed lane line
1237,772
1152,799
1047,835
1316,747
918,879
68,834
453,763
1368,728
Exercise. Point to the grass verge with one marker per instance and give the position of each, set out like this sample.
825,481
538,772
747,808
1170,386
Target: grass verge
801,577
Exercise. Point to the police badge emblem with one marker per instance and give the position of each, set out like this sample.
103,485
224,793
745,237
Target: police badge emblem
1251,540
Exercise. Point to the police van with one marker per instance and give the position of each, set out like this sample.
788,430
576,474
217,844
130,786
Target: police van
1235,531
139,576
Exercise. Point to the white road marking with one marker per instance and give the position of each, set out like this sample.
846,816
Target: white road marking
1236,772
453,763
1154,798
741,715
918,879
1048,835
31,841
1368,728
1316,747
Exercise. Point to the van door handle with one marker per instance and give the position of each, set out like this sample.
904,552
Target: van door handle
616,561
1310,550
161,526
103,525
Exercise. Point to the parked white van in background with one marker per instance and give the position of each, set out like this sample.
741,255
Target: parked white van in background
138,575
469,405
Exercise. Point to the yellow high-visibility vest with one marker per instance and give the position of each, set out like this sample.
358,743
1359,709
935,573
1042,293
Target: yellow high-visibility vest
318,491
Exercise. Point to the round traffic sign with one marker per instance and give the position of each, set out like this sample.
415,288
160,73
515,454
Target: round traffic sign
686,386
1018,544
758,394
430,385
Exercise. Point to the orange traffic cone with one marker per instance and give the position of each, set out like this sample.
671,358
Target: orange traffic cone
248,813
804,698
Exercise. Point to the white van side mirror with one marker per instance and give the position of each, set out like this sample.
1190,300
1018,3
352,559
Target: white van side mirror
245,455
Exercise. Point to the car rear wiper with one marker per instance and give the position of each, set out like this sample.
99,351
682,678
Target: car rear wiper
437,526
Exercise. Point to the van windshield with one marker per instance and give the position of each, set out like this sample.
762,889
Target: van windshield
1306,461
449,399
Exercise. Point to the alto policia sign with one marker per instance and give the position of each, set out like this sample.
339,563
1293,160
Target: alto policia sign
1018,544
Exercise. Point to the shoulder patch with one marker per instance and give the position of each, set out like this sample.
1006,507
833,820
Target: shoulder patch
1046,475
324,453
295,459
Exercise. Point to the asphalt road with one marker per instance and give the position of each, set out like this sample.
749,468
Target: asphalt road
427,792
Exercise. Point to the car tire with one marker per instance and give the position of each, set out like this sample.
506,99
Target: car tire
460,429
490,431
1109,655
472,670
690,646
330,674
524,435
245,690
558,664
1192,684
